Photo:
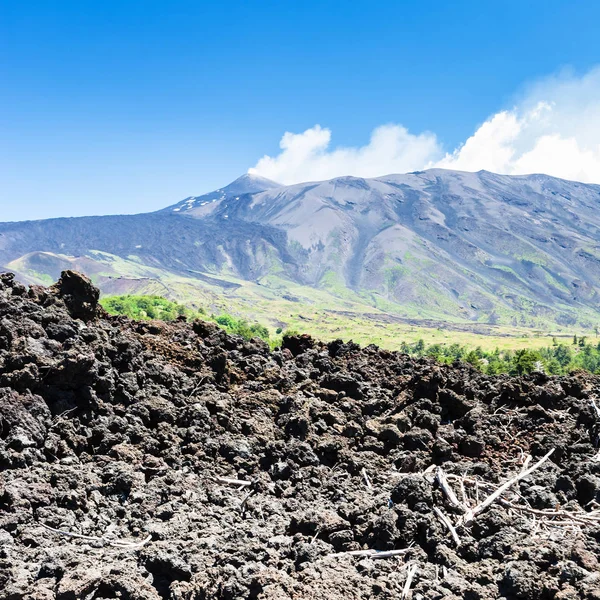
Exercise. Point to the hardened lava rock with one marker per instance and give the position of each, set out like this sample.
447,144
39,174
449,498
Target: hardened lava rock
149,460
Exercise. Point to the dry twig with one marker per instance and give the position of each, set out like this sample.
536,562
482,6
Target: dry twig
448,491
372,553
102,540
229,481
202,380
366,478
572,518
412,570
468,517
596,407
446,521
243,502
314,537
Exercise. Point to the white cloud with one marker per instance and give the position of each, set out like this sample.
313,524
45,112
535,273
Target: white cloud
553,129
307,157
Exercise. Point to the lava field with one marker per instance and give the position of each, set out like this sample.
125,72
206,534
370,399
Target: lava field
150,460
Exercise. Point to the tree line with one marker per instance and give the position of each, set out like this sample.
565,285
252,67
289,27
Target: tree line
555,359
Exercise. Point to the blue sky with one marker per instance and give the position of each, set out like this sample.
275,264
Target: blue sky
122,106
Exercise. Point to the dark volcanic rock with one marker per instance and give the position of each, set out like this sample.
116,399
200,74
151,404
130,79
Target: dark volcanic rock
119,431
78,294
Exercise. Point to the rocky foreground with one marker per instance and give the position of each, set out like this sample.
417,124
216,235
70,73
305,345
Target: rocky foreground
146,460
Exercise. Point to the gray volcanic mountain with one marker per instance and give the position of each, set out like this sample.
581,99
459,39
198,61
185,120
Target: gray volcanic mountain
435,244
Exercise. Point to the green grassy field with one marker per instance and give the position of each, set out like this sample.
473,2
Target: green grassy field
277,304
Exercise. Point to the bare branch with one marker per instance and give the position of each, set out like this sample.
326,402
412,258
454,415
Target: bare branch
202,380
230,481
448,491
582,518
446,521
468,517
412,570
372,553
103,540
596,407
89,538
366,478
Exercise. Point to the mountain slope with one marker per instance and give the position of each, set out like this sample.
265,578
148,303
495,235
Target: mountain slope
435,244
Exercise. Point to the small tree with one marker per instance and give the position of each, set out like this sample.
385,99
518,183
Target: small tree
473,359
563,355
524,361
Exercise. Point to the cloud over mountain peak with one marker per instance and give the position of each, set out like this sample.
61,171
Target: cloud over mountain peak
553,129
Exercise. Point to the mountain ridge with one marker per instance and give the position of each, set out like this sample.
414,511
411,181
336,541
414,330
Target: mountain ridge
479,247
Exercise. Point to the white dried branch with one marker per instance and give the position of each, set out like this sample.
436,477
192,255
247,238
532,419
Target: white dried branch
428,473
372,553
412,570
463,493
245,500
468,517
366,478
446,521
102,539
447,489
230,481
314,537
462,479
130,545
79,536
580,517
200,382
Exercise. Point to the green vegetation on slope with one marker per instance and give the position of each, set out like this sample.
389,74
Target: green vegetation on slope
147,307
533,354
241,327
157,307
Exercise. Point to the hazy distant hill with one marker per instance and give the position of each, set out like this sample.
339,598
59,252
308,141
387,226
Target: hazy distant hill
434,244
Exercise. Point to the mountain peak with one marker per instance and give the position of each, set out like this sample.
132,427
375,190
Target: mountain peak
246,184
250,184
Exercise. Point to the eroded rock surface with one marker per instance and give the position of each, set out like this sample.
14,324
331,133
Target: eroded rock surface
118,430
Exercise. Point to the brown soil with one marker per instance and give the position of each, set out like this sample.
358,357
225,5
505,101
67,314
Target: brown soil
120,431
